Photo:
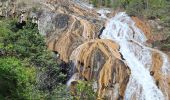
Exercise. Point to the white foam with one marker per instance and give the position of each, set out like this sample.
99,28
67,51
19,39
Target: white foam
122,29
103,13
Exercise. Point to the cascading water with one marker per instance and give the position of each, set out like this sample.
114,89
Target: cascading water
120,64
141,86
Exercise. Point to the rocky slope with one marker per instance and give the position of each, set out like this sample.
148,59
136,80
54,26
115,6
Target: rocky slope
67,27
74,35
72,31
118,59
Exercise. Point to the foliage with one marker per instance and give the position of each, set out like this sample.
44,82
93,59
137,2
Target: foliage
61,93
94,2
16,80
120,3
149,9
146,8
84,91
98,3
165,44
29,47
135,8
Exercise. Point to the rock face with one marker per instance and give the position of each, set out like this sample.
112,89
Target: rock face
100,60
68,27
72,30
14,8
144,26
111,52
7,8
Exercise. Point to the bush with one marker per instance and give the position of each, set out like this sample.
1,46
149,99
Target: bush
84,91
16,80
149,9
121,4
29,46
135,7
98,3
61,93
146,8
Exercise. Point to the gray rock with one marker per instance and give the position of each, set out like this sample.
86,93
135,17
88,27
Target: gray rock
1,4
61,20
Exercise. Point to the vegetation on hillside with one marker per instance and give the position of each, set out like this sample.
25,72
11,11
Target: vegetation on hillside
147,8
25,63
16,80
97,3
27,69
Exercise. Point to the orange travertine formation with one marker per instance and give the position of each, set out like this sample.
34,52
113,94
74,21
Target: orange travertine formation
162,82
143,26
74,37
101,60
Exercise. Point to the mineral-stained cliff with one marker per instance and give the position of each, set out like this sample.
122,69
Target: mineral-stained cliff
67,26
107,48
72,30
100,60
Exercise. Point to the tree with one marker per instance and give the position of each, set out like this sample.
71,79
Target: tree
30,48
16,80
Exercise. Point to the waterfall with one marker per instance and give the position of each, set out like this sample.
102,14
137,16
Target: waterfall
121,28
103,13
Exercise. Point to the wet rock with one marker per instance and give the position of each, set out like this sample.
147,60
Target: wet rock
72,31
105,65
68,27
61,21
144,26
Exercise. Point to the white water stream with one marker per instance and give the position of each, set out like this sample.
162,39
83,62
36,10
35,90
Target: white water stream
141,86
122,29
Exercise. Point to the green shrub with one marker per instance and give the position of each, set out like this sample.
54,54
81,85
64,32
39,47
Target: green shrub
84,91
99,3
94,2
16,80
135,7
165,47
61,93
3,29
29,46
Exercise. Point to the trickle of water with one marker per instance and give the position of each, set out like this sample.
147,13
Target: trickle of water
75,77
103,13
122,29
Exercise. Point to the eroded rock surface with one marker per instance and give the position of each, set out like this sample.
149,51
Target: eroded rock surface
72,30
68,27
